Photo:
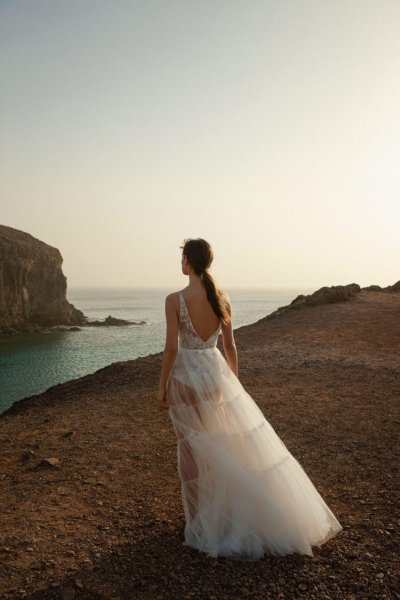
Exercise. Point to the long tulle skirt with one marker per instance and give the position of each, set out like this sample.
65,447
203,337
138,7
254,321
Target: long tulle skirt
244,495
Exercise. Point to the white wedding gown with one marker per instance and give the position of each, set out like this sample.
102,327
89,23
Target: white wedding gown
244,495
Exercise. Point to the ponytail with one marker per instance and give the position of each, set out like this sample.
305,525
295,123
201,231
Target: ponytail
216,298
200,256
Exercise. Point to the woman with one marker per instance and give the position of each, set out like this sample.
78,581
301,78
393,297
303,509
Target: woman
244,495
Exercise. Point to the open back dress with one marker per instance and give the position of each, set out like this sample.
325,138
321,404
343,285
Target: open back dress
244,495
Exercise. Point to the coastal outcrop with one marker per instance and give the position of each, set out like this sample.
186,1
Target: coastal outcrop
32,285
389,288
114,322
330,295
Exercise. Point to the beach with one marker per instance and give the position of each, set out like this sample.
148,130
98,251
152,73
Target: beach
91,504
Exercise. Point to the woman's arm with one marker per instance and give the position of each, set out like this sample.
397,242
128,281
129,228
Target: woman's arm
171,343
229,344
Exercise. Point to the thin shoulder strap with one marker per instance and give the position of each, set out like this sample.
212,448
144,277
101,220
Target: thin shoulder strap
181,305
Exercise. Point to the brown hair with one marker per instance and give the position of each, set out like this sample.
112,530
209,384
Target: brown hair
200,256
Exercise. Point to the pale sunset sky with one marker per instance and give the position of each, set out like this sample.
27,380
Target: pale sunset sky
269,128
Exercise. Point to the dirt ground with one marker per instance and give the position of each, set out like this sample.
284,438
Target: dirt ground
104,520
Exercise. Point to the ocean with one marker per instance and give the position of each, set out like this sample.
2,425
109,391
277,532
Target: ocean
31,363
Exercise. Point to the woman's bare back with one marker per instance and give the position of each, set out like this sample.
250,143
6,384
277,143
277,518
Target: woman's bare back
201,313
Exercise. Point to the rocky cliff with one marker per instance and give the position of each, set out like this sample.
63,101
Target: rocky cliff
32,285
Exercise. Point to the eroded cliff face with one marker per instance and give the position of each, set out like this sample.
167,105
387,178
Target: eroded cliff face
32,285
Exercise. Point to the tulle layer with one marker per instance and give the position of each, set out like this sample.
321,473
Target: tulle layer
244,495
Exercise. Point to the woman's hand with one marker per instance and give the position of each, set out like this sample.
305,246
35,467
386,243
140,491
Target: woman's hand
162,398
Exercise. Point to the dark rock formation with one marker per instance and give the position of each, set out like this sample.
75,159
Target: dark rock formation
113,321
389,288
32,285
329,295
393,288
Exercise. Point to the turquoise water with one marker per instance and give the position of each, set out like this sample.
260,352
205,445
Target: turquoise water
31,363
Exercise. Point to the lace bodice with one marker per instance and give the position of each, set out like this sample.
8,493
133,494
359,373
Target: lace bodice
188,336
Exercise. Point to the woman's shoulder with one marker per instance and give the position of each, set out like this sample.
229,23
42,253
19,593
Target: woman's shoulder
173,302
173,296
173,299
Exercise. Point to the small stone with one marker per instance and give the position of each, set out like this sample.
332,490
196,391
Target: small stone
302,587
48,463
380,575
67,433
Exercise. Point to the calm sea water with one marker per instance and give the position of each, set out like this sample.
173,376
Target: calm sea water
31,363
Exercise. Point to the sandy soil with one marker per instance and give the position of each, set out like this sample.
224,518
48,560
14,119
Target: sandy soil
106,521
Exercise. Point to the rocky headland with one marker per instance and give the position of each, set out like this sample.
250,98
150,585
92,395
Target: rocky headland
91,504
33,288
32,285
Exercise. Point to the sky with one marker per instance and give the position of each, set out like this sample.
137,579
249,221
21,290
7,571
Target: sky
269,128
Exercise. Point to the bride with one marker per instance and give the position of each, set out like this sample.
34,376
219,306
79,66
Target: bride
244,495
